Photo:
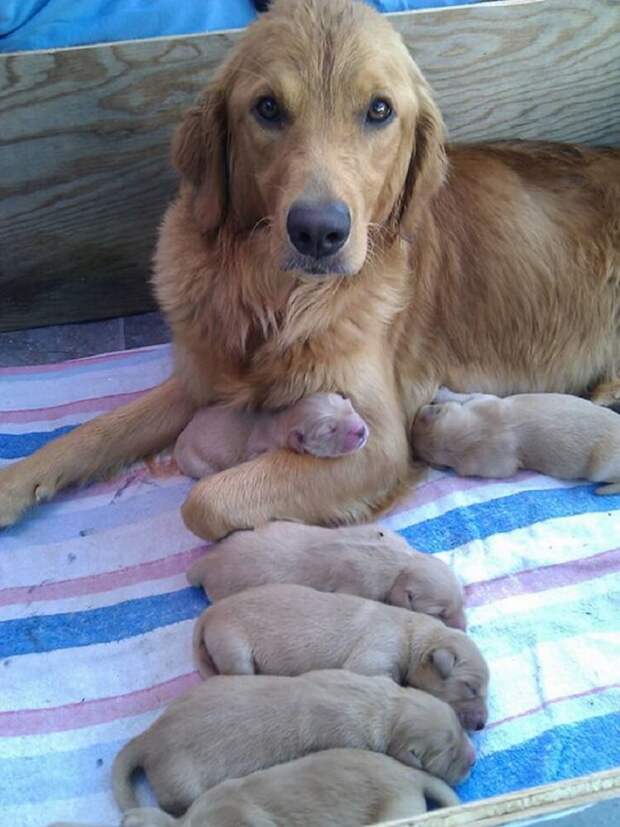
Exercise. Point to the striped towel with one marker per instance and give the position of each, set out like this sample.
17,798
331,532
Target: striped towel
96,615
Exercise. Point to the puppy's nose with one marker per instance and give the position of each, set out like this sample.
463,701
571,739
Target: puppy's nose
318,230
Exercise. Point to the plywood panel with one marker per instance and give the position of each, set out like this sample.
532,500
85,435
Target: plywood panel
84,172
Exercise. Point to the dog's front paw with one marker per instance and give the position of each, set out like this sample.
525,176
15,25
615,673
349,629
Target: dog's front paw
202,513
17,493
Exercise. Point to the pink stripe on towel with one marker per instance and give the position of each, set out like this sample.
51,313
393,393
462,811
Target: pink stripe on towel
542,578
105,581
99,711
98,404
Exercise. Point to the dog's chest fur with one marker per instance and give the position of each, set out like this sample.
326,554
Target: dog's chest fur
248,335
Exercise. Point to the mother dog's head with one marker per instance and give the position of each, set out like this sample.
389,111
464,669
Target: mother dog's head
318,130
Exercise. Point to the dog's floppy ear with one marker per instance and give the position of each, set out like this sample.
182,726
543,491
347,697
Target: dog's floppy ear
199,153
427,164
443,661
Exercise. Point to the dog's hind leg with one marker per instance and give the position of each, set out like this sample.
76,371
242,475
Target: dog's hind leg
96,448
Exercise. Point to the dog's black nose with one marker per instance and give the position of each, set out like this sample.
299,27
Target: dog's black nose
318,230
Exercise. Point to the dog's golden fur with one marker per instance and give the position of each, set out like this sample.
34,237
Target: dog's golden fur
488,267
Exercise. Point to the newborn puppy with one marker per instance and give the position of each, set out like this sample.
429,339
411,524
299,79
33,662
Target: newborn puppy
229,727
365,560
339,787
484,436
218,437
288,630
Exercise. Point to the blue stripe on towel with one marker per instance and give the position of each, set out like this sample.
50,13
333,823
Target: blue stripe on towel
562,752
499,516
588,612
46,633
14,446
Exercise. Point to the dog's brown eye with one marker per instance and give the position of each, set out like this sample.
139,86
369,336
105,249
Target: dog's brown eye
268,110
379,111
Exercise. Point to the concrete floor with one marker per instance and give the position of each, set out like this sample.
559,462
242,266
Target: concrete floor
58,343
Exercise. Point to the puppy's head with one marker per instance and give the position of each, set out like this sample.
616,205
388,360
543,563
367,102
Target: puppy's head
320,132
441,430
429,586
428,735
453,669
326,425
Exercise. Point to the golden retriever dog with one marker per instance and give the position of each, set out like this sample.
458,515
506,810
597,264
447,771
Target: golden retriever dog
233,725
480,435
325,238
366,560
284,629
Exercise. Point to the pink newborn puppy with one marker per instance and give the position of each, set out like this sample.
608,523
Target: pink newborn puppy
218,437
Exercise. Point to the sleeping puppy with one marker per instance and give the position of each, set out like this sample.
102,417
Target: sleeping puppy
340,787
229,727
484,436
366,560
288,630
218,437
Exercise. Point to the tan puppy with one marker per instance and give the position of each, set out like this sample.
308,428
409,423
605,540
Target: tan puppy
218,437
229,727
366,560
339,787
483,436
288,630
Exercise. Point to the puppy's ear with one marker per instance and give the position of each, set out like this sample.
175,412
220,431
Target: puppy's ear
199,153
443,661
296,440
428,163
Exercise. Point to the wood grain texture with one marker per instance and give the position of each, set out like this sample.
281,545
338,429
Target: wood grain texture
521,806
84,134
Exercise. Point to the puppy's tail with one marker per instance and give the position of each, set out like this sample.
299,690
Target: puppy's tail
438,791
126,762
610,488
202,658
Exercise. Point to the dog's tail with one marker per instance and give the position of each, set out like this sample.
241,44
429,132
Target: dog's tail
438,791
609,488
202,658
126,762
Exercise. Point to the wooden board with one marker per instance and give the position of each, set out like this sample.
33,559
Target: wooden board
84,133
524,804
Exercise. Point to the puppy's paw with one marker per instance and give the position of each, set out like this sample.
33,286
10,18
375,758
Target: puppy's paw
147,817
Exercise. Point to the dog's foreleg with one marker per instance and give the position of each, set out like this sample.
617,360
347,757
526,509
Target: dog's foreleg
283,485
143,427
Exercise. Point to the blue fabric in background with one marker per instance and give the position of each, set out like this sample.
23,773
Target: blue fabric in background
26,25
